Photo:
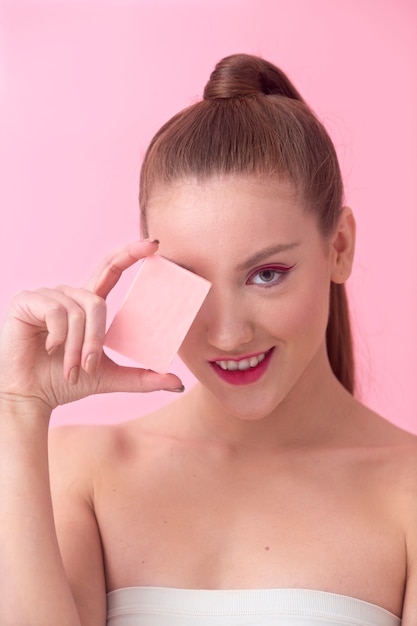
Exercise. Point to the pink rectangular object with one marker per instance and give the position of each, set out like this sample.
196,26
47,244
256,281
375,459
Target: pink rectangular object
157,313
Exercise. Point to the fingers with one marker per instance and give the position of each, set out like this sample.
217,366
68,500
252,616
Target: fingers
109,271
75,319
129,379
70,324
78,316
86,311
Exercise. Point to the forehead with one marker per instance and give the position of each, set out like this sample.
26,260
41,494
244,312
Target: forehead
215,226
225,204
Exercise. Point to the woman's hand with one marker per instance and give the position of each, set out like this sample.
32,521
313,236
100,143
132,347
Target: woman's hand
51,344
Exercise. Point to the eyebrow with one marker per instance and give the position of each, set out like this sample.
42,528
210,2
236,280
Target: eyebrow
252,260
265,253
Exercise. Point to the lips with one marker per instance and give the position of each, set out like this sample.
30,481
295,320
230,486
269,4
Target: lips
242,371
243,364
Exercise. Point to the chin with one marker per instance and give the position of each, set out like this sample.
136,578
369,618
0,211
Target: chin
244,404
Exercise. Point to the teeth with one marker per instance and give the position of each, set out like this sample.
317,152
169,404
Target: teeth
244,364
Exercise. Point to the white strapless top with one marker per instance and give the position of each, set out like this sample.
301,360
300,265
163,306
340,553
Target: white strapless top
161,606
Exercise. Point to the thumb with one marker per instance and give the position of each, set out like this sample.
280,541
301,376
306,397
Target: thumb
116,378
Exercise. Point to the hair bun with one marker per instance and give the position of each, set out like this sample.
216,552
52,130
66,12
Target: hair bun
244,75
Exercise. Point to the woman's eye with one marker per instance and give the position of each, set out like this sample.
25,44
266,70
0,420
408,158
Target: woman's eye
268,276
265,277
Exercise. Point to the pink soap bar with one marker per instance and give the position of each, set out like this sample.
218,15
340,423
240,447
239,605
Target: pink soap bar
157,313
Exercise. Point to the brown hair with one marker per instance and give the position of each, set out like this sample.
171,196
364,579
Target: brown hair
252,120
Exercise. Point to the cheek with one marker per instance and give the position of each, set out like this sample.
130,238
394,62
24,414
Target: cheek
303,311
308,315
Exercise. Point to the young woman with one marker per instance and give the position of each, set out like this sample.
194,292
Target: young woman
267,494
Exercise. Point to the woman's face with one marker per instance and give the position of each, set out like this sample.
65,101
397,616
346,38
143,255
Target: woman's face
260,334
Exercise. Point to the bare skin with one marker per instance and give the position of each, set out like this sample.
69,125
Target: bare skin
51,353
336,514
286,482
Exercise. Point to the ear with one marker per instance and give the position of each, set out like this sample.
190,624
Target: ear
343,246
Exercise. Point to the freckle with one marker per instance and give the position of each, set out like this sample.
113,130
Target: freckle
165,522
266,548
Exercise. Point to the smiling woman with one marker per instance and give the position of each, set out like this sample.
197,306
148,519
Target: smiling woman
267,492
253,121
284,321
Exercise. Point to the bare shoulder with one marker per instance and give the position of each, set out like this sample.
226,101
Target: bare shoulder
403,465
81,452
77,454
397,461
393,447
366,428
386,455
75,451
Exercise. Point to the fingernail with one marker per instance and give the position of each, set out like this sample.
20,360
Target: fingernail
91,363
74,375
177,389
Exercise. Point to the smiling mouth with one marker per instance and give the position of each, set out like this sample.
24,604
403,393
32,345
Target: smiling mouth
244,371
243,364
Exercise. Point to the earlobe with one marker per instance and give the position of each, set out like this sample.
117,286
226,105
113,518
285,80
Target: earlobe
343,244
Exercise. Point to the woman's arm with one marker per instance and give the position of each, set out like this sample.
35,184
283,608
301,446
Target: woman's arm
51,353
409,617
75,454
33,588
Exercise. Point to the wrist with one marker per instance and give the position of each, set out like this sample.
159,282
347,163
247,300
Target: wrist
23,407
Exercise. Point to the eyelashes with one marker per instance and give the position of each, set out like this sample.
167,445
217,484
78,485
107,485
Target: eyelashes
269,275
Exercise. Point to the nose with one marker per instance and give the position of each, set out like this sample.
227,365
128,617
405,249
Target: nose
228,320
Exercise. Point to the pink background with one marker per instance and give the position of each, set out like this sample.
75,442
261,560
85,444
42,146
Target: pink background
84,85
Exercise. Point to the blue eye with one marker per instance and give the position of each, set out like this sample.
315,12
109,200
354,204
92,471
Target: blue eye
269,275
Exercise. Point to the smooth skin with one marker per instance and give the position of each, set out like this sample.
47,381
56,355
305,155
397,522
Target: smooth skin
287,482
50,354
